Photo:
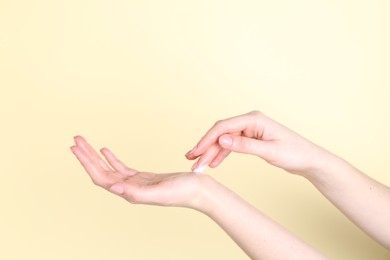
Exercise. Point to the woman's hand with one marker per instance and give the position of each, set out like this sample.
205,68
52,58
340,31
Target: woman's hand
256,134
173,189
362,199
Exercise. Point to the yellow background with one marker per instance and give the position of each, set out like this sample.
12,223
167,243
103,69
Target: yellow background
147,79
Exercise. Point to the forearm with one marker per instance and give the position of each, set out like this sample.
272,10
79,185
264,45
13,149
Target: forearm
257,235
363,200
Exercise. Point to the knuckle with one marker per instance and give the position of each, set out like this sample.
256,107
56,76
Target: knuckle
100,181
97,181
255,113
220,126
218,123
245,144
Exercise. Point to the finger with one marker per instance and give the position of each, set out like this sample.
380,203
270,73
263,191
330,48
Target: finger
223,153
98,175
82,143
206,158
116,163
228,126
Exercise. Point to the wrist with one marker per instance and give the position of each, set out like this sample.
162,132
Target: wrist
209,196
324,166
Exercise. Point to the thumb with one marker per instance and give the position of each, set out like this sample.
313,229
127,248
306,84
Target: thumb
241,144
117,188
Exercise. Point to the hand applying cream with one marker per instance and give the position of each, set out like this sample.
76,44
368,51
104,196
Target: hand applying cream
200,169
197,167
205,158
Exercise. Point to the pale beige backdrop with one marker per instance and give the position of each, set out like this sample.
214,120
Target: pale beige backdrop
147,79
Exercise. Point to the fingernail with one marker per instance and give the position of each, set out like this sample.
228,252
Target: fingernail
117,189
225,141
190,151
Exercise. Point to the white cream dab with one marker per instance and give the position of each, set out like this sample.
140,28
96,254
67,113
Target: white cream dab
200,169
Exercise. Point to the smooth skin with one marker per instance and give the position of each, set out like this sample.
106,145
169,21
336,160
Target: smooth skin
362,199
258,236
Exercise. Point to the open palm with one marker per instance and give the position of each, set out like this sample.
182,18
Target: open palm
169,189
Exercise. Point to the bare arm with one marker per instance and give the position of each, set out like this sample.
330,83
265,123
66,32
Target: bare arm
256,234
363,200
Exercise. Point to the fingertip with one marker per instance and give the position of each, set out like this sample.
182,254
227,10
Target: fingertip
76,137
190,155
107,152
75,148
214,164
72,148
200,169
104,150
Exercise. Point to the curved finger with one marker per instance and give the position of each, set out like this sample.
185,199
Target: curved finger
206,158
231,125
223,153
116,164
